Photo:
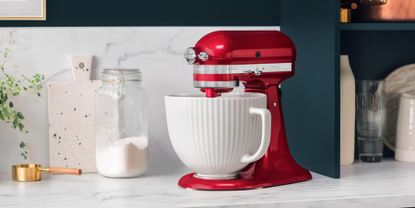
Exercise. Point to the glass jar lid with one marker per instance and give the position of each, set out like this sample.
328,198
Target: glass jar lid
133,74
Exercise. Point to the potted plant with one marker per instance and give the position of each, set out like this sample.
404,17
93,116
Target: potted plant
12,86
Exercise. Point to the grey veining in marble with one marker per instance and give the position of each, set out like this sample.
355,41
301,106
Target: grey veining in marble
387,184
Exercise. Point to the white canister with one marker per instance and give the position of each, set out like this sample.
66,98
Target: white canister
405,130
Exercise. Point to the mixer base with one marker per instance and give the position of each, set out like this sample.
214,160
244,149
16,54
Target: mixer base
245,181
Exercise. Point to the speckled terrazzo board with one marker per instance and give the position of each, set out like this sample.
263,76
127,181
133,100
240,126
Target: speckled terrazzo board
72,124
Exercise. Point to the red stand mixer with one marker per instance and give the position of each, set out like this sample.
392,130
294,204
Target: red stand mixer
261,60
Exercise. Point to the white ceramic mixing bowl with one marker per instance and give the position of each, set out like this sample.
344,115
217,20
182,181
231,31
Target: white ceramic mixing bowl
217,137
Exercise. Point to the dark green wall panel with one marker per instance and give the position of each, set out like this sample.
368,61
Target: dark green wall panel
311,97
157,13
375,54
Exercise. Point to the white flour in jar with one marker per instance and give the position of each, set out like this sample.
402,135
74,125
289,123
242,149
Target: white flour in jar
126,157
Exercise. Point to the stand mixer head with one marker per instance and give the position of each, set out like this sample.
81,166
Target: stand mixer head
260,60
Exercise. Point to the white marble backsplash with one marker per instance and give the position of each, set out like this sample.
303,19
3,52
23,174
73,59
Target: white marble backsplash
157,51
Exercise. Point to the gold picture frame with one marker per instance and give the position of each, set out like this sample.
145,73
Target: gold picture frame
41,16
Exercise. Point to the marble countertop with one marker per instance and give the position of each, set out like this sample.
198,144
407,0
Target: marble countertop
386,184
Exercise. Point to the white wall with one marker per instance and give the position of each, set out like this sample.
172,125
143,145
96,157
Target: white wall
157,51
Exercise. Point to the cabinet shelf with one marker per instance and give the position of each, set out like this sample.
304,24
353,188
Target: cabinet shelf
389,26
375,50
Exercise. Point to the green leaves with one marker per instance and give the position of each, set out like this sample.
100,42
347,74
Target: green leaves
21,127
19,115
6,52
24,155
33,84
10,86
22,145
23,148
13,86
15,123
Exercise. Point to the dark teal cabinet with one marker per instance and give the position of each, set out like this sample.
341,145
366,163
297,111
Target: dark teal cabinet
311,97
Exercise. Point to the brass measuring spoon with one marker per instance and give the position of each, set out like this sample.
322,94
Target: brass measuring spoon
32,172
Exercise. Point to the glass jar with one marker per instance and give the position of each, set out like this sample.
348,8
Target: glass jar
121,124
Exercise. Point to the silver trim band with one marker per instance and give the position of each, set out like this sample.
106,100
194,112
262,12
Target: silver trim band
239,69
216,177
214,84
